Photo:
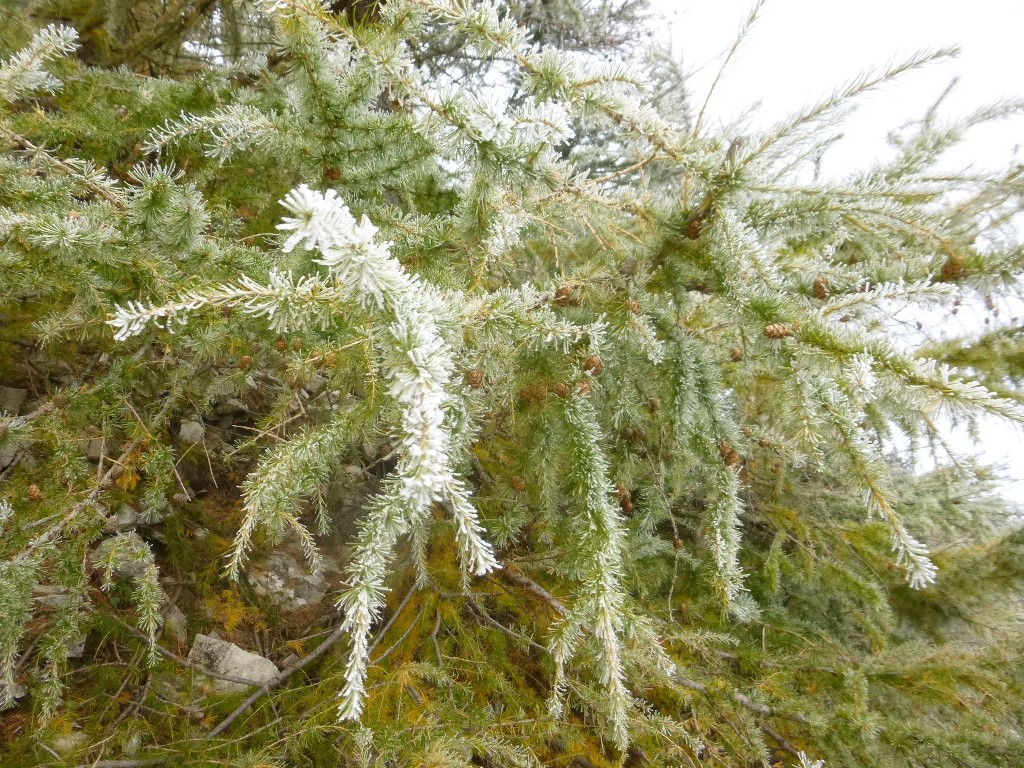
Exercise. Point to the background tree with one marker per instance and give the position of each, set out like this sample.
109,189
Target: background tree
573,404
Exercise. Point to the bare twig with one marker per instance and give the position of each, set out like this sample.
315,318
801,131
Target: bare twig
783,744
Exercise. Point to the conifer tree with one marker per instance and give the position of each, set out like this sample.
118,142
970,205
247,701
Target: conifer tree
616,395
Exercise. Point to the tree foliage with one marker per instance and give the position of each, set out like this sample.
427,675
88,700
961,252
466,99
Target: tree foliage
616,393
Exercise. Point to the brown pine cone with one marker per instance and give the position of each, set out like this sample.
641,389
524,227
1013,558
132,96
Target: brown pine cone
953,268
777,331
729,455
593,365
563,295
821,288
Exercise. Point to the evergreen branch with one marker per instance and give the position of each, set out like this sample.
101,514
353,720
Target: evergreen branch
725,526
920,290
285,302
79,170
603,534
291,473
23,73
233,129
90,501
910,553
745,27
866,82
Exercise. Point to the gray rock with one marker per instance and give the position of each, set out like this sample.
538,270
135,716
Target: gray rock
76,648
55,597
93,447
126,515
287,582
175,623
16,691
11,400
231,407
69,743
228,659
290,659
8,455
132,744
191,432
316,384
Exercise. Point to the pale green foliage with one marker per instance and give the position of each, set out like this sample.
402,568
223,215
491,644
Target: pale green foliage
547,324
23,73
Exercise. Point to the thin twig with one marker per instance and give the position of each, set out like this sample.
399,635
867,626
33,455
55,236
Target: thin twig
783,744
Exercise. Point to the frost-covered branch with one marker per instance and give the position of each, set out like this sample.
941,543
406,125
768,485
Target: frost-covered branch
23,73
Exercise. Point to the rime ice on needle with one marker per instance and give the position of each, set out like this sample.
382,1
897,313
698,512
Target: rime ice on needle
418,364
321,220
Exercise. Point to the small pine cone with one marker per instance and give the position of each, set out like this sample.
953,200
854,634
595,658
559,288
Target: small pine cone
821,288
777,331
694,228
593,365
561,389
621,491
329,360
540,392
583,386
729,456
332,174
764,442
634,306
777,466
34,493
654,404
563,295
747,431
526,394
517,483
627,507
953,268
475,378
677,543
250,172
296,344
735,354
280,344
245,363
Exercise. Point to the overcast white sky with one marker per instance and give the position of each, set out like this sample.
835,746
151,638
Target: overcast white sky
800,50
